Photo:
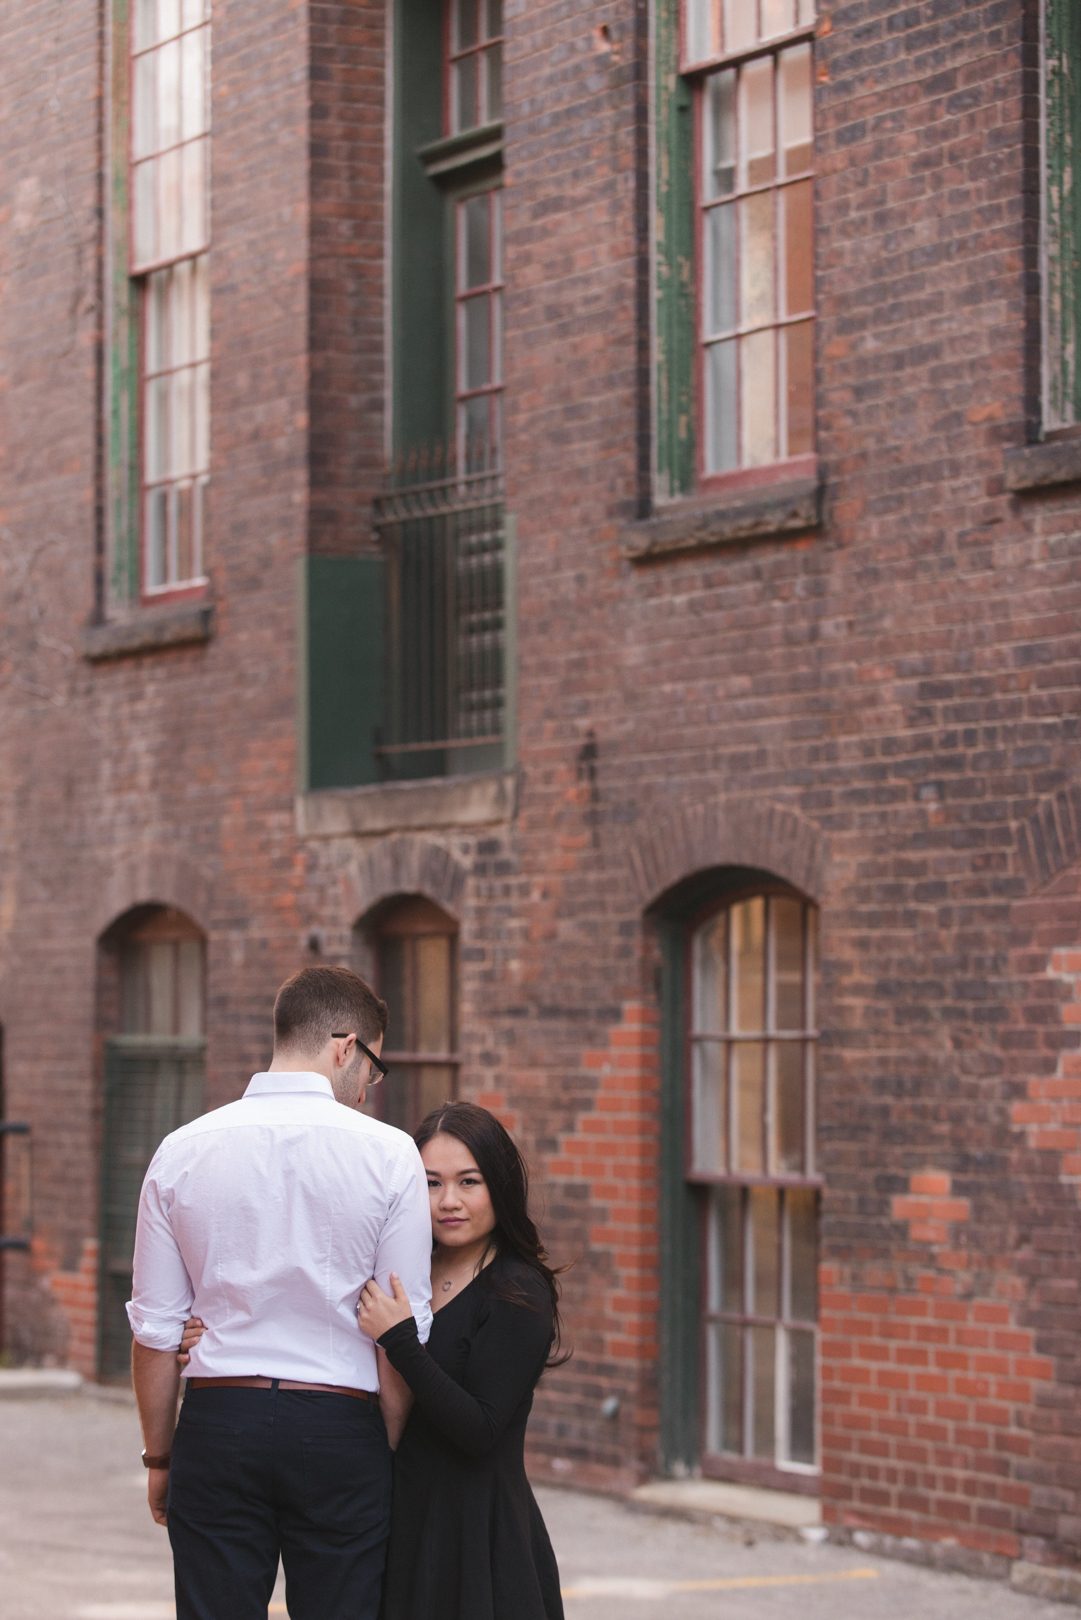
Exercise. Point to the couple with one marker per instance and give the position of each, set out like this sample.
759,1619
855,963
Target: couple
300,1232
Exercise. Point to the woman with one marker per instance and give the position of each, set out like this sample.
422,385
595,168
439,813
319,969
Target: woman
467,1541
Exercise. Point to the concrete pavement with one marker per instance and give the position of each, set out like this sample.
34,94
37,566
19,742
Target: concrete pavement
77,1543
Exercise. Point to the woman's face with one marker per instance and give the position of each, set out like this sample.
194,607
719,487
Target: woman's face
462,1210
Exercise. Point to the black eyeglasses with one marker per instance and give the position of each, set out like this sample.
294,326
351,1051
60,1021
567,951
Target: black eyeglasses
381,1070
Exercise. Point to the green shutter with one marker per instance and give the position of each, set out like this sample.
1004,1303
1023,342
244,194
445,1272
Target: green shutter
1062,211
340,664
675,261
152,1086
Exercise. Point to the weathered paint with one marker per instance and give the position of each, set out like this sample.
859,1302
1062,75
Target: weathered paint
1062,211
674,290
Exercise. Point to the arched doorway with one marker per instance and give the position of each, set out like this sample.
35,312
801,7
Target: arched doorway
152,992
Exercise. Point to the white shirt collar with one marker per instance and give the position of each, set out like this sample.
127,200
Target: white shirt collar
270,1085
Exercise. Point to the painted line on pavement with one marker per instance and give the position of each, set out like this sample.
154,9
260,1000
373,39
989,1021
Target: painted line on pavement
628,1586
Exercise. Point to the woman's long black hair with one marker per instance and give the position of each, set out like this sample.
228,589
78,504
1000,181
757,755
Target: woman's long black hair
504,1170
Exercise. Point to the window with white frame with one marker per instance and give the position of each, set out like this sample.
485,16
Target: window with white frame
751,1095
750,63
475,64
170,237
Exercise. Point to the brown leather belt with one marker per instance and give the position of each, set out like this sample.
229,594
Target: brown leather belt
369,1395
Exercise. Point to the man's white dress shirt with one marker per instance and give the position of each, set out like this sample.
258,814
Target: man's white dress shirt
266,1218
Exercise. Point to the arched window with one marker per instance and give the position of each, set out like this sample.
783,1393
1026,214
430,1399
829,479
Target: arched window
416,948
751,1052
151,990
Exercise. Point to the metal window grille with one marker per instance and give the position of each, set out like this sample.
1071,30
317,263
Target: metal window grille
442,533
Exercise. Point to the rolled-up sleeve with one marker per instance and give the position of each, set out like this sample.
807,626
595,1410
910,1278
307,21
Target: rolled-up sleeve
162,1294
405,1244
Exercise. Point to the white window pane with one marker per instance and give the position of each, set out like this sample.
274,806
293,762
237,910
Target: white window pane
467,23
719,131
778,16
699,37
190,987
719,303
464,74
786,920
156,503
497,337
476,343
156,429
157,325
801,1214
748,946
801,1397
764,1214
721,414
202,418
764,1381
168,203
183,423
710,1007
168,18
758,398
194,221
749,1084
497,234
183,326
193,108
193,12
806,12
146,24
788,1122
740,24
707,1058
201,292
477,244
144,109
795,109
145,211
756,121
168,94
494,84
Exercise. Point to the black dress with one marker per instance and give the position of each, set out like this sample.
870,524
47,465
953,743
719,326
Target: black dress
467,1541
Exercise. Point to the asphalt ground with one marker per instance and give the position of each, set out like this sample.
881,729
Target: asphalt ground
77,1543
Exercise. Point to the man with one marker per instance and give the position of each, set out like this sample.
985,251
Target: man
266,1218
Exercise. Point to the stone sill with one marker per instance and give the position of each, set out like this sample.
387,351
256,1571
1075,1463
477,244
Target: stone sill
437,801
148,632
1041,466
708,1497
765,513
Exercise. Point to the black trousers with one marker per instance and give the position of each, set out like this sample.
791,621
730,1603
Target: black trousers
260,1472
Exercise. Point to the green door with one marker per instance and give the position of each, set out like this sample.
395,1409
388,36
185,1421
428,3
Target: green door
153,1084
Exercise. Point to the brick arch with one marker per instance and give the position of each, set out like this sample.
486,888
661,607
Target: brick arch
154,877
1049,840
730,830
404,864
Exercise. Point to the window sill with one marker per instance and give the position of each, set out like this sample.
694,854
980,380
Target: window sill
450,801
1041,466
148,631
450,159
767,513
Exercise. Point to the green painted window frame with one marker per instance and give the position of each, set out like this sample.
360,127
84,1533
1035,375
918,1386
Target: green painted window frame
1060,248
122,381
674,261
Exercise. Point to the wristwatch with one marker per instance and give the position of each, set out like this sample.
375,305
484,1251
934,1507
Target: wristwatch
156,1462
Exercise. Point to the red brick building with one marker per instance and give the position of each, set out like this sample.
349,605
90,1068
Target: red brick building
685,733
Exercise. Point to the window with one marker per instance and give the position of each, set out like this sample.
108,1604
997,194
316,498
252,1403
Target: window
479,328
170,235
749,65
475,63
151,994
1060,150
416,948
751,1092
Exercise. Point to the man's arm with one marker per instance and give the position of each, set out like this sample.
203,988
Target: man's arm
405,1244
395,1398
156,1377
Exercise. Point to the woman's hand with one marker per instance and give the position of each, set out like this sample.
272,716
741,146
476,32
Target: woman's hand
194,1328
376,1311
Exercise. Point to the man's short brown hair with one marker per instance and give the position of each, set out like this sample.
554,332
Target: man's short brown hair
319,1002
